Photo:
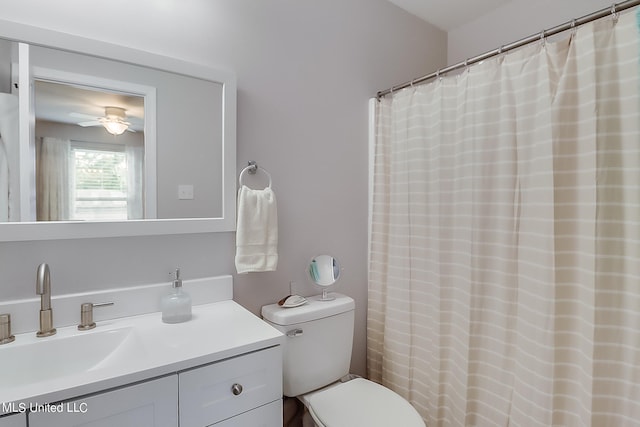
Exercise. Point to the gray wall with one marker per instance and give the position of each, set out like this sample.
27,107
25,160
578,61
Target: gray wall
305,72
513,21
5,67
86,134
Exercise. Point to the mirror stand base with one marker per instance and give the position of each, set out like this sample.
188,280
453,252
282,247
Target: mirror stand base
326,296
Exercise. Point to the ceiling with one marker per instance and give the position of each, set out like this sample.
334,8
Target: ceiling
448,14
64,103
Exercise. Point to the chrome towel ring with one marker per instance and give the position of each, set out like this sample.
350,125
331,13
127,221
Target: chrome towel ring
252,168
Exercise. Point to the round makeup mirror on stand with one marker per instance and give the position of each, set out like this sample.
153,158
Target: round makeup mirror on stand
324,271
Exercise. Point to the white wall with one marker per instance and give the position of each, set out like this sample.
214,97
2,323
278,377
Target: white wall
514,21
305,71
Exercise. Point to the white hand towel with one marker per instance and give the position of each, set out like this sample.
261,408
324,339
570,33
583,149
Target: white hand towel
257,231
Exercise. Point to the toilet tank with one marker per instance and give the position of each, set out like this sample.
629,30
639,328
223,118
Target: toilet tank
317,350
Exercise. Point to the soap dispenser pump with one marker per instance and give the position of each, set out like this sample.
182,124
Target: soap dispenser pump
176,306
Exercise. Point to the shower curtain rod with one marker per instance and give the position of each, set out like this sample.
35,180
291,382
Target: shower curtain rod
613,10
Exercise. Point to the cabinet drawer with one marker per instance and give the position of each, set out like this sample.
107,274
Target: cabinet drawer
17,420
149,404
221,390
269,415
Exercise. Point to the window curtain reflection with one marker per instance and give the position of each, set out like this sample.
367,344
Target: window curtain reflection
135,171
53,186
9,119
4,183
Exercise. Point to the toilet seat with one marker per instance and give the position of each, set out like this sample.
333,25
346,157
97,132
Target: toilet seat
360,402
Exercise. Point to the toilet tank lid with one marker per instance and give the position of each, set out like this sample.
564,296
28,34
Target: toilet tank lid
314,309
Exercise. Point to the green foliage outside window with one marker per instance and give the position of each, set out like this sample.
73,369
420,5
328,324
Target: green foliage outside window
100,170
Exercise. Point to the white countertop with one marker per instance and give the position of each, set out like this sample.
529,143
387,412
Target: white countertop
217,331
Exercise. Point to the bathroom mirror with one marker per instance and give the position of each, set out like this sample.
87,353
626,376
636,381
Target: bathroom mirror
324,271
181,122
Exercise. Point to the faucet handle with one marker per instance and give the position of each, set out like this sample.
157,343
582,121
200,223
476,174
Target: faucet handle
5,329
86,315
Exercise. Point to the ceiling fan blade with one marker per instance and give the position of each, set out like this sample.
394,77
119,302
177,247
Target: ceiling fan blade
91,123
131,130
82,116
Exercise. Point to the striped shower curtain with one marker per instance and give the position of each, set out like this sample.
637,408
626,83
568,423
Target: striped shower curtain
504,283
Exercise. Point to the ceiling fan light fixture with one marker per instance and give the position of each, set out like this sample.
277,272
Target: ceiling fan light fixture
114,122
115,127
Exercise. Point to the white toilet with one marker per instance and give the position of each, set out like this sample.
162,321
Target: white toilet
317,354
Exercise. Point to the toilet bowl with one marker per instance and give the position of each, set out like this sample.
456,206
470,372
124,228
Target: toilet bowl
360,402
317,355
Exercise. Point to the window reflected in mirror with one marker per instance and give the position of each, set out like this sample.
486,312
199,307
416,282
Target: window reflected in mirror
89,154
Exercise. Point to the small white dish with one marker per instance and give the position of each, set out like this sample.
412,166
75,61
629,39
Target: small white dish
292,301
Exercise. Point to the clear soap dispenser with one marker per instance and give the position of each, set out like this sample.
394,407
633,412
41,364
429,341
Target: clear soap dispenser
176,307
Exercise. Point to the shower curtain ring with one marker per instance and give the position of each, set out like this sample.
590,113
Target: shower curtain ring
543,38
574,28
614,13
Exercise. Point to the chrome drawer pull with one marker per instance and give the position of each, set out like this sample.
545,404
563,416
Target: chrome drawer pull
236,389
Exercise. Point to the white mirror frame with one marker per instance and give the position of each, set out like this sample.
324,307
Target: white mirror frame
25,231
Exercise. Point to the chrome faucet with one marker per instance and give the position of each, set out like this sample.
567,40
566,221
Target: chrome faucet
43,288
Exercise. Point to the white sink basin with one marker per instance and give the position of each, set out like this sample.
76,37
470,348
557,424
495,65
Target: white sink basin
123,351
67,354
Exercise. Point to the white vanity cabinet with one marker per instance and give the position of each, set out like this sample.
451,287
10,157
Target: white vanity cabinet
222,368
265,416
17,420
149,404
240,391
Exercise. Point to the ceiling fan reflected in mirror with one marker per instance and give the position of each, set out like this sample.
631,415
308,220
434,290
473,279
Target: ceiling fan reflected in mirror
114,120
